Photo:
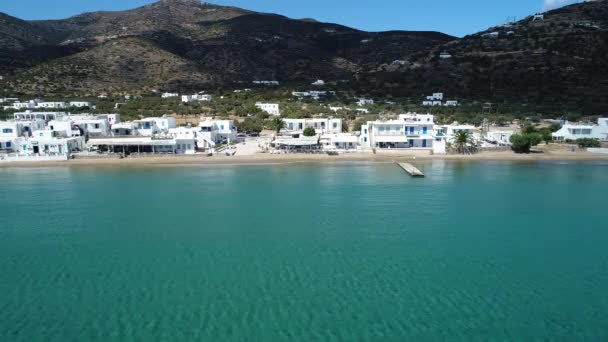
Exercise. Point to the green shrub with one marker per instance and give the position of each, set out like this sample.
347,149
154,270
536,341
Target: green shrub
309,132
522,143
587,142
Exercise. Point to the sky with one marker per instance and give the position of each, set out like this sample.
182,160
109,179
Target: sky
455,17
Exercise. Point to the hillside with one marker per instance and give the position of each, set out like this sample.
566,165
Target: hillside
556,63
553,64
99,52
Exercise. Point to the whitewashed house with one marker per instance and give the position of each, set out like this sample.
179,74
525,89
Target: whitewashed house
451,103
46,116
213,132
122,129
64,128
81,104
318,83
197,97
51,105
449,131
500,137
169,95
266,83
364,102
341,142
46,143
270,108
22,105
23,128
321,125
572,131
409,131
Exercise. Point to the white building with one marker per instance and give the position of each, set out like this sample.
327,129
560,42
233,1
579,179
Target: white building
435,97
449,131
213,132
155,145
22,105
46,116
341,142
409,131
571,131
169,95
266,83
270,108
451,103
17,129
81,104
51,105
320,125
500,138
64,128
432,103
197,97
445,55
145,127
318,83
365,102
46,143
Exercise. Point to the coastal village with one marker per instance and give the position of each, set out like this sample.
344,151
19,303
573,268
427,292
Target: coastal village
49,131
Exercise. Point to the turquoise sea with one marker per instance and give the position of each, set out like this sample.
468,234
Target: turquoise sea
477,251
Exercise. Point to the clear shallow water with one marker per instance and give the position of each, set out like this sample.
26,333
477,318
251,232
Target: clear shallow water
475,251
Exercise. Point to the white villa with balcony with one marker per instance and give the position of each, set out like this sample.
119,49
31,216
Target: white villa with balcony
571,131
321,126
409,131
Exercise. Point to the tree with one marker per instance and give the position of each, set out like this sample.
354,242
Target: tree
464,143
278,124
522,143
357,125
545,134
309,132
345,126
251,125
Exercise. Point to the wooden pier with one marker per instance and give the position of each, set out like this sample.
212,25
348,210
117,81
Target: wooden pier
411,169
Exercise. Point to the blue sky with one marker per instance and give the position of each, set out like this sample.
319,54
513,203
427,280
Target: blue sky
468,16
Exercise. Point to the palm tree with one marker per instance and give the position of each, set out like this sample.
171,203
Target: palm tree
278,124
464,143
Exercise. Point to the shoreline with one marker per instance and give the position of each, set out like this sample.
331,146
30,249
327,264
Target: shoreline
270,159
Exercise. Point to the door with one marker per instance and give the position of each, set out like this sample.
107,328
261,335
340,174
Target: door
411,142
36,150
423,143
424,130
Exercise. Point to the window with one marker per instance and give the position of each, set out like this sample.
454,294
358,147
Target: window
8,144
335,125
365,139
365,131
7,130
96,126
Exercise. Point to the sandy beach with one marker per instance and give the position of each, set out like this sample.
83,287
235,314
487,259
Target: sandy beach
265,158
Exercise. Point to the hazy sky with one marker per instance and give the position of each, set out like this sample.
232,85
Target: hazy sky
456,17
